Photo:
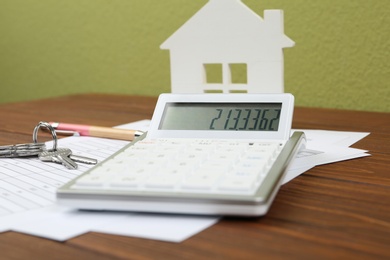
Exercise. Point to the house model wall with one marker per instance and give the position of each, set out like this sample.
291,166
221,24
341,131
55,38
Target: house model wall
223,39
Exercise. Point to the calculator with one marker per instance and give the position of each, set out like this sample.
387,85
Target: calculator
204,154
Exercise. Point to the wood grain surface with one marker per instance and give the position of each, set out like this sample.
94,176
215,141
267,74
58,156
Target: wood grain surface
333,211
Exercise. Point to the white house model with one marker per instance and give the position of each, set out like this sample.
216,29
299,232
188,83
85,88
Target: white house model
227,48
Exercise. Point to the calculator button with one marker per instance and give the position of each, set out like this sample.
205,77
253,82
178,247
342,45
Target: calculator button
194,158
181,165
92,180
126,181
224,157
203,181
110,168
163,181
236,183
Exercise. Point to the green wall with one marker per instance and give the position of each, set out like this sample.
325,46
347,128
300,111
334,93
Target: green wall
57,47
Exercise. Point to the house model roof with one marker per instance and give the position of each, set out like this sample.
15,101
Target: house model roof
229,25
224,39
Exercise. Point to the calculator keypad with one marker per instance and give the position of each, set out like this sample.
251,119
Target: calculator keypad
185,165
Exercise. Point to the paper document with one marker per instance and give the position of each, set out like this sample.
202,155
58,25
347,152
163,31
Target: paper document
28,186
28,183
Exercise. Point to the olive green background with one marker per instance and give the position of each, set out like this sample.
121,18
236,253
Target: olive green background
56,47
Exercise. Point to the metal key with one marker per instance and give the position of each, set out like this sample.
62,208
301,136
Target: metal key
21,150
82,159
60,155
68,152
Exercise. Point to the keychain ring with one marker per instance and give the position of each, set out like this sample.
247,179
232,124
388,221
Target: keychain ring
50,128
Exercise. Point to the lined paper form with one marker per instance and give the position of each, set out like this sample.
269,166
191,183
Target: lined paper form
28,183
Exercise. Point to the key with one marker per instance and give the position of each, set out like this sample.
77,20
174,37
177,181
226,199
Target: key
72,157
60,155
82,159
21,150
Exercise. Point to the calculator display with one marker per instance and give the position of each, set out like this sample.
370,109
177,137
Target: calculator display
221,116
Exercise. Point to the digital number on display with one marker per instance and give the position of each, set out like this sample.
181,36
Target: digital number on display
246,119
221,116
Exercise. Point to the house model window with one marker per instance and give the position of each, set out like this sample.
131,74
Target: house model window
218,77
227,48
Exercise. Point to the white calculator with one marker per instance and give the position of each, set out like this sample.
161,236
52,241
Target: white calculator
208,154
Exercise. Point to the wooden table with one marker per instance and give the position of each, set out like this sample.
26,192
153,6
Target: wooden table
334,211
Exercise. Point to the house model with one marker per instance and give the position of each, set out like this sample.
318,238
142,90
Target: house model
227,48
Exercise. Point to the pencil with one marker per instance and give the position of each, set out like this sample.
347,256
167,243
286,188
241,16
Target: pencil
97,131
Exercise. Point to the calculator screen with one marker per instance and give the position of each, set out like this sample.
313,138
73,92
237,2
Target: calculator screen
221,116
